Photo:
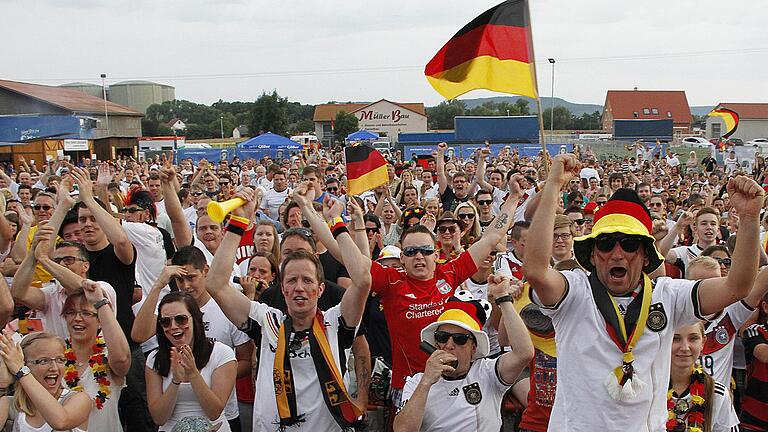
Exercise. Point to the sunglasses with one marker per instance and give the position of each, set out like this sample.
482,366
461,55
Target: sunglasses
131,210
411,251
458,338
724,261
304,232
606,243
600,203
332,189
38,207
579,202
181,320
83,313
485,202
67,260
446,229
579,221
467,216
196,193
372,230
224,183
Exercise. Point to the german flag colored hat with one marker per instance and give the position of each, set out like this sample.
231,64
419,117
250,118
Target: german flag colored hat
623,213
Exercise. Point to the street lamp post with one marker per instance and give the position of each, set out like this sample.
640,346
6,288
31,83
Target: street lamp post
552,113
104,91
221,121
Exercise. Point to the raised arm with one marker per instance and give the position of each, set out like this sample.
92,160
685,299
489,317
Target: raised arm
123,248
480,174
144,324
511,363
442,180
747,198
548,283
303,194
119,353
21,289
70,280
497,230
235,305
179,222
665,245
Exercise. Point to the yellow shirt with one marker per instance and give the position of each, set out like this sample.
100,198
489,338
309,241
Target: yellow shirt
41,274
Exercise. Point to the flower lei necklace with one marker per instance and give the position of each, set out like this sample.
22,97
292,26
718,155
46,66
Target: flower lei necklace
99,368
679,411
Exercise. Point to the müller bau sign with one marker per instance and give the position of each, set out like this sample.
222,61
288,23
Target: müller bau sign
390,118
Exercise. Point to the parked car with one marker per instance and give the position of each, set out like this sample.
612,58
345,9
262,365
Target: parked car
758,142
696,142
736,141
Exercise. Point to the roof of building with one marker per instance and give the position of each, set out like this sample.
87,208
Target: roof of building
173,121
325,112
79,84
630,104
747,110
138,82
67,98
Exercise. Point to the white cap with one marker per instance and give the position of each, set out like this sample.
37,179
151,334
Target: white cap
389,252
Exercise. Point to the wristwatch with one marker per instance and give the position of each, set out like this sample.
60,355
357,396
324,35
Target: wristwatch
101,303
22,372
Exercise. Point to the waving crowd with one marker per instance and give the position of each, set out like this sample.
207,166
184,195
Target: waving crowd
496,292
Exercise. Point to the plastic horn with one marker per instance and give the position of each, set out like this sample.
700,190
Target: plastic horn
218,210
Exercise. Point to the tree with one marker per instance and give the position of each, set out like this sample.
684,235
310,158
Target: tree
343,125
269,114
522,107
441,116
562,121
302,126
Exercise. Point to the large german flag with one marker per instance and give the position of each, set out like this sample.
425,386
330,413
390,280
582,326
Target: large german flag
731,119
494,52
366,168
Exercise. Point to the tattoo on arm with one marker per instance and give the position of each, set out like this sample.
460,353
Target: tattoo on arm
501,221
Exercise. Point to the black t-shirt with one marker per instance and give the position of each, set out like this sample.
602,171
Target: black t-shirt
332,268
450,200
105,266
170,248
709,163
376,330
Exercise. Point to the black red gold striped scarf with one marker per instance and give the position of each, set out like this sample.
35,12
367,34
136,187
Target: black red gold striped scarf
346,413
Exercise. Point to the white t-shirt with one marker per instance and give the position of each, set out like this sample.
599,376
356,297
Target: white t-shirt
272,201
447,408
720,337
586,355
21,425
221,329
687,253
186,400
309,398
55,295
150,256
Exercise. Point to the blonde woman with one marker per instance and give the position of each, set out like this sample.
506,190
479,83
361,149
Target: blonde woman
467,213
40,402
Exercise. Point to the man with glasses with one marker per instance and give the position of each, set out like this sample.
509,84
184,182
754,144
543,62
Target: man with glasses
474,384
576,215
621,360
42,210
414,298
484,204
226,188
69,266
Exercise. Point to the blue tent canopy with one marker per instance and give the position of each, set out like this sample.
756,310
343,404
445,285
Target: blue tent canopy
270,141
362,134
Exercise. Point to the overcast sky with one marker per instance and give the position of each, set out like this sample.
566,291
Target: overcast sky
314,51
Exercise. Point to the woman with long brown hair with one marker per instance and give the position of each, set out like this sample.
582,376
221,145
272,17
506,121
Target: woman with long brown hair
695,402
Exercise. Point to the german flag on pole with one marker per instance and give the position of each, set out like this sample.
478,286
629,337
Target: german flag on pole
730,118
494,52
366,168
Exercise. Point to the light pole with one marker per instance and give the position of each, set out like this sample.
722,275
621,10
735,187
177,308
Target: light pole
221,121
104,91
552,113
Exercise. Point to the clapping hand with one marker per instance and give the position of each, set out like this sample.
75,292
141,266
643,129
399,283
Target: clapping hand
11,352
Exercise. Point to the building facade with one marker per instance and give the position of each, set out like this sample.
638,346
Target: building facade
753,121
648,105
383,117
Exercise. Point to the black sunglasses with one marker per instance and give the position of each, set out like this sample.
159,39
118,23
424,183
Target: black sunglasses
131,210
332,189
372,230
605,243
38,207
411,251
304,232
724,261
485,202
467,216
458,338
579,221
181,320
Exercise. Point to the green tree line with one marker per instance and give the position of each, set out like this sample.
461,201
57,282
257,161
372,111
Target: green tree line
442,115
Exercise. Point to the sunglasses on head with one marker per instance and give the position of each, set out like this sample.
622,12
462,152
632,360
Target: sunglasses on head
446,229
458,338
180,319
606,243
411,251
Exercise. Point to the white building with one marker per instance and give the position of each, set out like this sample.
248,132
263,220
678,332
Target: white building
383,117
753,121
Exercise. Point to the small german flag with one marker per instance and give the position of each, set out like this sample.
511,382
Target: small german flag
494,52
366,168
731,119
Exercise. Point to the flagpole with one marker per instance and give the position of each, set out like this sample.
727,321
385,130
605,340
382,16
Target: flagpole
545,155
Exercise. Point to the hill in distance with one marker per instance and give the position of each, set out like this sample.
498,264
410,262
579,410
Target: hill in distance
546,102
